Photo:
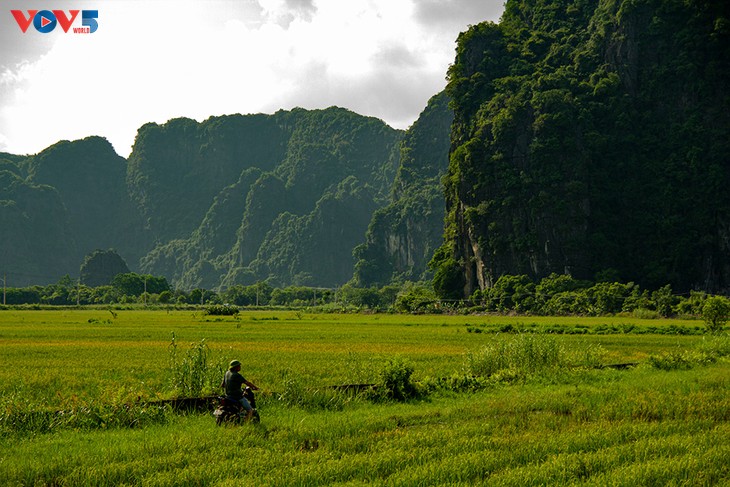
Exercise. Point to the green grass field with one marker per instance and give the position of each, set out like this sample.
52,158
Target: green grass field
662,422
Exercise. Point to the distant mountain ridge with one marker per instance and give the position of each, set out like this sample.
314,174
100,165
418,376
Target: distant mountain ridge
232,200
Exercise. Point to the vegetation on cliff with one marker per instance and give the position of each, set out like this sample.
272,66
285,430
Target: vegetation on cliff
590,138
403,235
281,197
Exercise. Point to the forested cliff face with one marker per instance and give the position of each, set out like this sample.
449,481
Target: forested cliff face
403,235
576,136
90,179
241,199
35,240
61,203
591,137
232,200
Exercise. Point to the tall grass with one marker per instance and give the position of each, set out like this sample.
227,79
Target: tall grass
707,352
193,372
22,416
525,355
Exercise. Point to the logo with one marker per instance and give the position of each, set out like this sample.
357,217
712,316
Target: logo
45,21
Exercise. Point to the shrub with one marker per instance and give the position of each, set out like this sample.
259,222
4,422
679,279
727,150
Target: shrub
717,346
715,312
680,360
707,352
395,381
222,310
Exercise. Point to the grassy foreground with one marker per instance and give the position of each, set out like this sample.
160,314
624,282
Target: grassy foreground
565,426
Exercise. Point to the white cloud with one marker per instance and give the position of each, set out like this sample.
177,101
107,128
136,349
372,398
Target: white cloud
199,59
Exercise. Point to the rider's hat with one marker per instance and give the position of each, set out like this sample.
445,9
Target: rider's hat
234,363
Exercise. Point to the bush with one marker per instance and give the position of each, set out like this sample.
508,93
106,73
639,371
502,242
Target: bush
222,310
680,360
715,312
416,300
717,346
395,381
707,352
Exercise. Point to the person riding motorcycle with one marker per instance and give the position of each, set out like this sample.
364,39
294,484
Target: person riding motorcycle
233,382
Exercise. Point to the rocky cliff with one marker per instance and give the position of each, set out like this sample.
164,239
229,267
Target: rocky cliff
241,199
403,235
232,200
591,137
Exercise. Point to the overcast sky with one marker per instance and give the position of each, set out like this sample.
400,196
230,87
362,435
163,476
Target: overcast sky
153,60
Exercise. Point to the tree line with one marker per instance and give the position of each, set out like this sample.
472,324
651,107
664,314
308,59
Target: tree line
555,295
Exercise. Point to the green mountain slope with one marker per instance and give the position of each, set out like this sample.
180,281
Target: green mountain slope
35,241
61,204
286,202
403,235
232,200
591,137
90,179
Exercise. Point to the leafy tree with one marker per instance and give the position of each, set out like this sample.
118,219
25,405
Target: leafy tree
607,297
637,299
100,267
553,285
513,293
416,299
133,284
664,300
448,281
693,304
358,296
715,312
22,296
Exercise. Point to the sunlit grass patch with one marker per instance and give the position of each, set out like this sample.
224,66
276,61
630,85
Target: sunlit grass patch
543,413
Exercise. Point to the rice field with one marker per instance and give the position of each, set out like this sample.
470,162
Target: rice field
661,422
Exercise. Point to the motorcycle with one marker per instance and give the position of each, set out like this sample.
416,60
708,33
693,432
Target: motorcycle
231,411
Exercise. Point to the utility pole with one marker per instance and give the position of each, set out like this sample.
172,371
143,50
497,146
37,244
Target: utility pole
78,292
145,292
4,288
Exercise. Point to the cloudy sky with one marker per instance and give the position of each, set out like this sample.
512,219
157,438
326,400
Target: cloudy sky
153,60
